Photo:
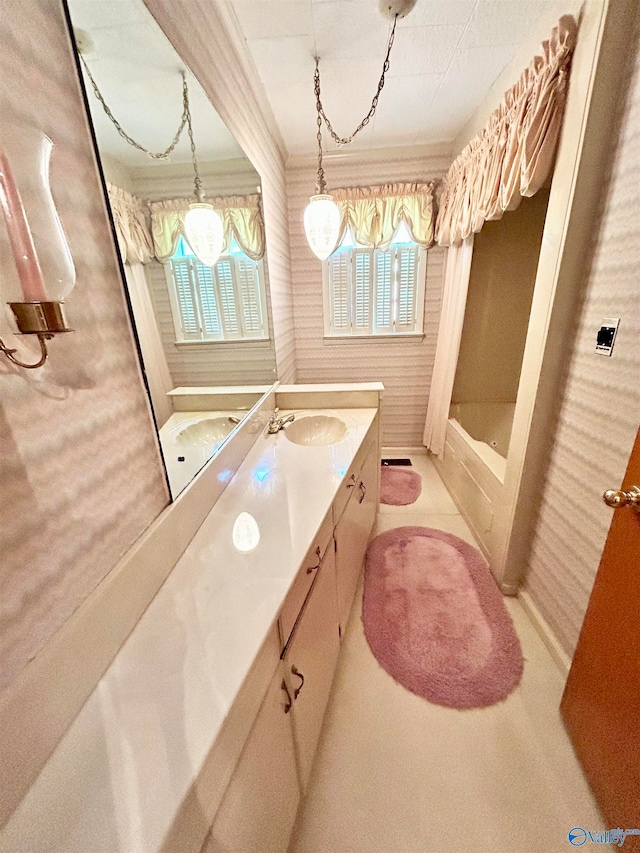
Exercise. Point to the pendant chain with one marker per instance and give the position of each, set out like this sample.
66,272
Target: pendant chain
345,140
160,155
322,116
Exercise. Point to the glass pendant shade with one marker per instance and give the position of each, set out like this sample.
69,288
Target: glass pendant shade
34,253
322,225
204,231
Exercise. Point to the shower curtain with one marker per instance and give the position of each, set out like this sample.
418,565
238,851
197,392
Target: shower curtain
454,300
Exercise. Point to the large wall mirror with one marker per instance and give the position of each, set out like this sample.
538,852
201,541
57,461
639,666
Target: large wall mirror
204,331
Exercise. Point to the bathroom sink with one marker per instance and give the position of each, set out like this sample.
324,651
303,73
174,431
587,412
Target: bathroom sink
205,432
316,430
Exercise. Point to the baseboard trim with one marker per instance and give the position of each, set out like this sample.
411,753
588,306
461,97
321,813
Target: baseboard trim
404,451
547,636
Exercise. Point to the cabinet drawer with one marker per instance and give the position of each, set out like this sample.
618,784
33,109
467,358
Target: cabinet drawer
350,482
305,577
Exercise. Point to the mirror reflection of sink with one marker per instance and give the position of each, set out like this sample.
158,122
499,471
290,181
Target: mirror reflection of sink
316,430
205,432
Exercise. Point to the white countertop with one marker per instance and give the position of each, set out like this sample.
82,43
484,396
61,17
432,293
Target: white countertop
118,777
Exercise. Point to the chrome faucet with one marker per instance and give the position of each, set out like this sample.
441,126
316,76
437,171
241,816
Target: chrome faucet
276,423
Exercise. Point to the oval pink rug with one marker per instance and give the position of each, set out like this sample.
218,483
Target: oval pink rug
398,486
435,620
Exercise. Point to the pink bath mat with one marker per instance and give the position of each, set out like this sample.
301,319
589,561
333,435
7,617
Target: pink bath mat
435,619
398,486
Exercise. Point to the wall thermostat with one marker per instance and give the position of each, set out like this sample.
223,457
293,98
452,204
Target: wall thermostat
606,336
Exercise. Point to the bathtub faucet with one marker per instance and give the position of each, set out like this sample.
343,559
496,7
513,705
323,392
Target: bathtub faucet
276,423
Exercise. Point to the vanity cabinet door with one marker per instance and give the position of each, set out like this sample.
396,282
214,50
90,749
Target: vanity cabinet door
260,804
310,662
353,531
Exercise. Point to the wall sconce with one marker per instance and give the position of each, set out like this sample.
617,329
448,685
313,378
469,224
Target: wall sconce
32,220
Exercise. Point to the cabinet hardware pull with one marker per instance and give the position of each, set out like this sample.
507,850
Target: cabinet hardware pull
352,481
313,568
363,491
284,687
296,692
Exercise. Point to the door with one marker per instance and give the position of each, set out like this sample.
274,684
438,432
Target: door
353,531
310,662
601,702
259,807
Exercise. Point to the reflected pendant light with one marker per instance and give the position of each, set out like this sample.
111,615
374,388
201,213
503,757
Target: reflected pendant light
203,226
204,231
322,215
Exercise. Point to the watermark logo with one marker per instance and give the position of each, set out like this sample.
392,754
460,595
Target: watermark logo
578,836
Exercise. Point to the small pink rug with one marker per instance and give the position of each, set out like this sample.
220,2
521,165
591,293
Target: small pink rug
435,619
399,486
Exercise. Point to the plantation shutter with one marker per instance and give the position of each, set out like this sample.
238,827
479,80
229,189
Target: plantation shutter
227,299
249,288
211,325
361,311
406,263
383,291
339,292
185,291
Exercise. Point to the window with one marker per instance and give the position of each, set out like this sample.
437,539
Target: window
371,292
226,302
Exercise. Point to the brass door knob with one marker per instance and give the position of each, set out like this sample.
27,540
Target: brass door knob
616,498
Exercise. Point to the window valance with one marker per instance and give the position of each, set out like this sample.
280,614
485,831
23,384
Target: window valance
241,216
513,154
374,213
134,238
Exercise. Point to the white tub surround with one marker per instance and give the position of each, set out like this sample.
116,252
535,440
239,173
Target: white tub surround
473,473
146,762
487,422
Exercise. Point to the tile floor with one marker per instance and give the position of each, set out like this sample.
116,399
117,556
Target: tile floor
395,774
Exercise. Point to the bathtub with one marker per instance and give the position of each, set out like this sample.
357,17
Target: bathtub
489,424
474,462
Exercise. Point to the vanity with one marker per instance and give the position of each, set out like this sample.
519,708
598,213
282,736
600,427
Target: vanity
201,734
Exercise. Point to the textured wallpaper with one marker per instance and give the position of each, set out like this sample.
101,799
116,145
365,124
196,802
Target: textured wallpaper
80,471
600,407
405,367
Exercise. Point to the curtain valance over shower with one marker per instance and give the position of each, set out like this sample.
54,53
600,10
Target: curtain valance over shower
134,237
241,217
374,213
512,156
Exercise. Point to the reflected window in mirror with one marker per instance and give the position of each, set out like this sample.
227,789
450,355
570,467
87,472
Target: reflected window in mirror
226,302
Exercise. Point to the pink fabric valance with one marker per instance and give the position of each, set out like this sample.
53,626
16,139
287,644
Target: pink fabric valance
512,155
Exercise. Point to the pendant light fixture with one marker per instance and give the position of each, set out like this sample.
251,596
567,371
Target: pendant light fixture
322,215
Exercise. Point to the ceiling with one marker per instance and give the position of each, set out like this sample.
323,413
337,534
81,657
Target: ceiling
446,55
138,72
